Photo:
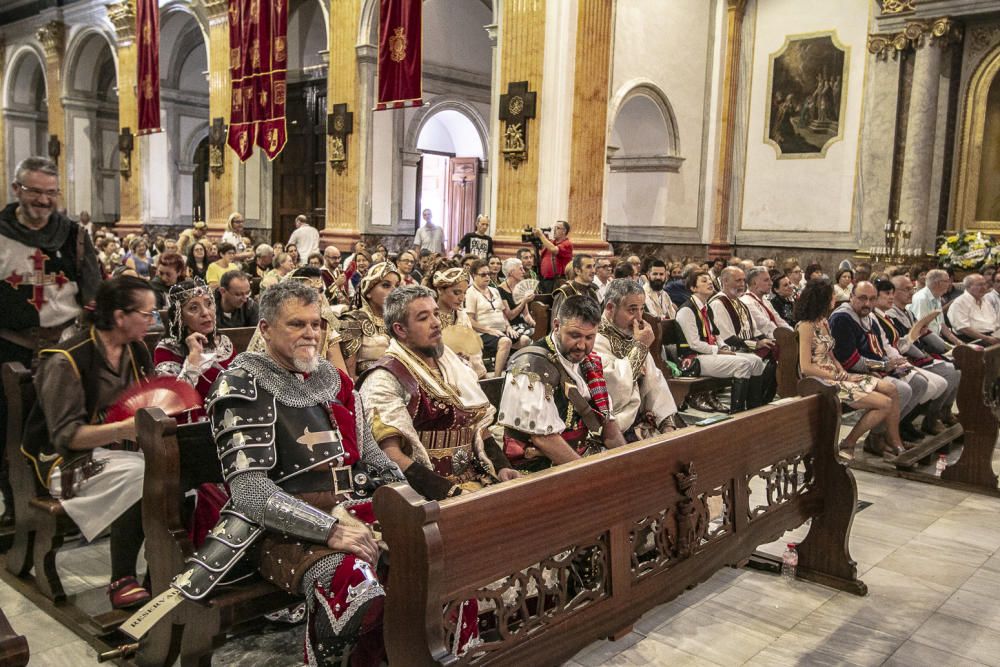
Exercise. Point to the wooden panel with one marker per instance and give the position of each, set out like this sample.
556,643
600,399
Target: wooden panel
522,50
594,29
299,175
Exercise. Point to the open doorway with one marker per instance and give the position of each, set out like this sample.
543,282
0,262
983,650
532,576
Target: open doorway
448,180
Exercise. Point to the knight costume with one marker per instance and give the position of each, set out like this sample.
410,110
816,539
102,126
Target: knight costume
439,416
299,458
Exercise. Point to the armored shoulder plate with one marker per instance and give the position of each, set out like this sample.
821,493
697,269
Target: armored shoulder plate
535,360
353,327
213,563
243,423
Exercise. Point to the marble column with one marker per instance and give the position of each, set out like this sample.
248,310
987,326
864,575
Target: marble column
221,186
721,245
122,15
52,35
522,51
595,28
921,130
343,86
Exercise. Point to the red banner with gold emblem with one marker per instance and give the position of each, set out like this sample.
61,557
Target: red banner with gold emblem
147,35
258,64
400,55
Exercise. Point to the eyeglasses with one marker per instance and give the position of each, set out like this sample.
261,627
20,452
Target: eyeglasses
150,315
38,192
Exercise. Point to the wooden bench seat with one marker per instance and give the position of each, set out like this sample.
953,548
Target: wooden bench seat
179,458
579,552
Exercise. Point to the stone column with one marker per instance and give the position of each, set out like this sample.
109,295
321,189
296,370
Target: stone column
4,183
720,245
53,38
921,128
343,86
594,31
221,186
122,15
522,51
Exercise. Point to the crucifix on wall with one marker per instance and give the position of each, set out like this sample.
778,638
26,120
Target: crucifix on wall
517,105
339,124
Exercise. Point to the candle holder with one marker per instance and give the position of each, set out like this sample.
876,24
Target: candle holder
897,248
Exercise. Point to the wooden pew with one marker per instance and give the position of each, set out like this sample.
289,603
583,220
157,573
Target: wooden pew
680,387
540,310
646,541
41,523
194,629
978,410
788,361
13,647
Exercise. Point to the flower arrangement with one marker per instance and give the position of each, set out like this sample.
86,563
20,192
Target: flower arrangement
970,251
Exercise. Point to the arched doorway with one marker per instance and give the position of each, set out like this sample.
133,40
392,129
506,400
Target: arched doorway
978,201
91,106
299,172
642,160
451,150
25,110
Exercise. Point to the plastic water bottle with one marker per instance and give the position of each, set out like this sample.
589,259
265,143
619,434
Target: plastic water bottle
941,464
789,563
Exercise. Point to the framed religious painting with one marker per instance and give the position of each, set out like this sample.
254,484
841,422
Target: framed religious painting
806,95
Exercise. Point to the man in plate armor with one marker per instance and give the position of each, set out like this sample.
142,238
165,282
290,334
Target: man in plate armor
427,410
302,466
555,406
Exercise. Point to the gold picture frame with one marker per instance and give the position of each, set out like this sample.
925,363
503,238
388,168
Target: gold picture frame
826,75
970,161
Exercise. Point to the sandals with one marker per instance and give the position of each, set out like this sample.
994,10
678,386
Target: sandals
890,453
845,450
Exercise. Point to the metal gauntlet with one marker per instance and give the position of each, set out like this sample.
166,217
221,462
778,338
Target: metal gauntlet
290,516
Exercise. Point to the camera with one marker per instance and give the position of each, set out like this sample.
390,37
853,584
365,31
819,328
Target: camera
528,236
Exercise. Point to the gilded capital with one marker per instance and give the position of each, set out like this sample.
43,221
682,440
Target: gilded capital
945,32
216,10
52,35
122,16
736,5
897,6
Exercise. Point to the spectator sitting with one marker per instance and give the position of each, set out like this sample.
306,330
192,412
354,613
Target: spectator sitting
765,319
234,306
843,285
169,270
234,236
517,313
487,311
197,260
878,397
928,300
315,260
973,317
527,258
283,265
602,276
677,288
138,258
782,297
658,303
700,342
226,262
582,283
263,262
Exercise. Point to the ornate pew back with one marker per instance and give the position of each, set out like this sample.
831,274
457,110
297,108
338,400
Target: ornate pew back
978,403
788,361
579,552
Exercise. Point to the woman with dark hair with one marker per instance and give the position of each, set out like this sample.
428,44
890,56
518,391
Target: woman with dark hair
197,260
877,396
85,459
193,349
496,270
813,272
782,296
457,333
364,337
843,285
138,258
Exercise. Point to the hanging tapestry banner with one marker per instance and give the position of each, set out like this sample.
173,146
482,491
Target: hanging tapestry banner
147,34
258,65
399,55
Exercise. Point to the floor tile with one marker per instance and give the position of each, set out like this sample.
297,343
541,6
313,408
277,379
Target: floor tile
915,654
709,636
961,637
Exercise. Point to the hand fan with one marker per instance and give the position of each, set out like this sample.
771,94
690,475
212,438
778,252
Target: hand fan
167,393
523,289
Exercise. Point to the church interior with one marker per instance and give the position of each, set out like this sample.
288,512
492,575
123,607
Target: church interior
847,133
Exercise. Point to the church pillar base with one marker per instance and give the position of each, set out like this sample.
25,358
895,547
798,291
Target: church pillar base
723,250
343,239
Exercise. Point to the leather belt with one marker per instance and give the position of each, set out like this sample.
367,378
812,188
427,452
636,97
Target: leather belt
443,443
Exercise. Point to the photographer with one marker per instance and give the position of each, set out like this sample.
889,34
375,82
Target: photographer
554,255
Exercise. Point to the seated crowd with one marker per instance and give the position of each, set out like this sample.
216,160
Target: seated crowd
367,363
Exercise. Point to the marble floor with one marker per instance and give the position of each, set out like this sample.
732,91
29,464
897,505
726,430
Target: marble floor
930,557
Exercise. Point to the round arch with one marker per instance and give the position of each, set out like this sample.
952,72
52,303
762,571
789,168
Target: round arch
15,75
979,130
173,19
644,90
447,103
83,54
306,36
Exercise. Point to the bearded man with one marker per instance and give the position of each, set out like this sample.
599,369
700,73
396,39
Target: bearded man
427,410
302,466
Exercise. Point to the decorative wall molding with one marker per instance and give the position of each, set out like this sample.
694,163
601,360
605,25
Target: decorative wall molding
646,163
941,32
